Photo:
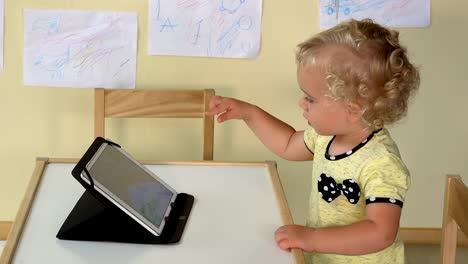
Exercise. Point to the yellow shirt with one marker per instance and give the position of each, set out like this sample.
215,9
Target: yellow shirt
342,185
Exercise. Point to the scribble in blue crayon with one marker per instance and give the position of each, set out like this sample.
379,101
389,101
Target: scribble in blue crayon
235,5
123,63
121,67
368,5
55,65
351,7
230,35
49,25
209,51
158,9
196,36
168,24
347,11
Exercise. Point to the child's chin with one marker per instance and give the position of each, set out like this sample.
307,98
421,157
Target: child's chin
323,133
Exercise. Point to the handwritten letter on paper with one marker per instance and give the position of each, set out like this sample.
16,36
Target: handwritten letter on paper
79,48
390,13
211,28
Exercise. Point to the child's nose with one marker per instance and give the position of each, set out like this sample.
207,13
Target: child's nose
302,104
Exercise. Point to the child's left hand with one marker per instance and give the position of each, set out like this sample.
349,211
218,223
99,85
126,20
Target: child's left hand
294,236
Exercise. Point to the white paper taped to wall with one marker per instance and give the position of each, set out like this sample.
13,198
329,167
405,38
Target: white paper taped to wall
390,13
209,28
71,48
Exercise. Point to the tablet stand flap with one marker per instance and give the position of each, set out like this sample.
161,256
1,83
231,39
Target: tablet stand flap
93,220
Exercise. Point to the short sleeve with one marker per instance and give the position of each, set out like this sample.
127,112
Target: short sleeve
385,180
310,138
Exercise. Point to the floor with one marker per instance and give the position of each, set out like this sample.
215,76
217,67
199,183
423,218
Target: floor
430,254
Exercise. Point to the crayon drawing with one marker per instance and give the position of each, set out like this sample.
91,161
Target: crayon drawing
79,48
210,28
391,13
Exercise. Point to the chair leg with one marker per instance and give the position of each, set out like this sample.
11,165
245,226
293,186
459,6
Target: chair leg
449,242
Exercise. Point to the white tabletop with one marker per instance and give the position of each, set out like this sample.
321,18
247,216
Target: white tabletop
233,220
2,244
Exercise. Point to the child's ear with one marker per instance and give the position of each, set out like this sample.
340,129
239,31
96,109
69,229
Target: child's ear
354,112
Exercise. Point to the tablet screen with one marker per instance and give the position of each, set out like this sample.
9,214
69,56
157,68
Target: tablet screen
131,185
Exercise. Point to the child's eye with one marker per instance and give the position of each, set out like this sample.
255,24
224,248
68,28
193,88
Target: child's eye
308,99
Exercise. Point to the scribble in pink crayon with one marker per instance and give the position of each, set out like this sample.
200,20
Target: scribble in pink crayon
79,37
228,38
217,18
80,49
186,4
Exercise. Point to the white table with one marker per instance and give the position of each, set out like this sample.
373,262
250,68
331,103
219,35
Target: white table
2,245
237,208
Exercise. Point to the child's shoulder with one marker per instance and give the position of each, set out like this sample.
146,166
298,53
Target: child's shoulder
311,135
383,144
383,153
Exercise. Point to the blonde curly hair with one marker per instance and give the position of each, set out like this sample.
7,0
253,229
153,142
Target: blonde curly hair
364,63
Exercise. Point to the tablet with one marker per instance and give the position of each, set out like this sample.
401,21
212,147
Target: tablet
129,185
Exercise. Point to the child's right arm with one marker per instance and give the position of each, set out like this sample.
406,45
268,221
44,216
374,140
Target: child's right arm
276,135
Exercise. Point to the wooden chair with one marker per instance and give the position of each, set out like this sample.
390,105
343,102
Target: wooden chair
5,227
455,217
155,103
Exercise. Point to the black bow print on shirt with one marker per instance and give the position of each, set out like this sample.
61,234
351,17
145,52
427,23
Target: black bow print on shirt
329,190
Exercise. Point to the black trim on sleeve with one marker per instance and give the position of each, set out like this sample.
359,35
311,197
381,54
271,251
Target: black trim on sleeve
308,148
384,200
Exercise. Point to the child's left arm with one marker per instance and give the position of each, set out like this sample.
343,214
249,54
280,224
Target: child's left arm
374,234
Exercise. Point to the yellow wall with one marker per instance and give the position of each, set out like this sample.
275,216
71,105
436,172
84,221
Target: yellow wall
57,122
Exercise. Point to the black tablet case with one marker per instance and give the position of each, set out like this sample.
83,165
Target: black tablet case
94,218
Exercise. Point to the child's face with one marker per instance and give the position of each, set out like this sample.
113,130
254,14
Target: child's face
325,114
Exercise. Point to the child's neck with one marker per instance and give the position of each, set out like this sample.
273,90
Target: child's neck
345,142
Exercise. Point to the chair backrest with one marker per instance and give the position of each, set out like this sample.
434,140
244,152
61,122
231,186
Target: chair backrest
455,217
5,227
155,103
